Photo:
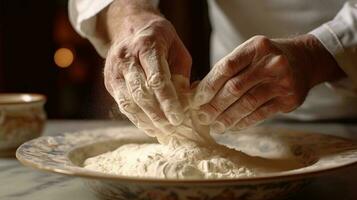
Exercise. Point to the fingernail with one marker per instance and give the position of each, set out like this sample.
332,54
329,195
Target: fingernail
218,127
203,118
175,119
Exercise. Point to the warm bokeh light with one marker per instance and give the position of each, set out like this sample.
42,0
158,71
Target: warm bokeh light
63,57
26,98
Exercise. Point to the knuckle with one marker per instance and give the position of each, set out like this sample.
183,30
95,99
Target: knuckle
262,41
227,120
234,87
226,67
122,52
213,108
288,83
279,66
216,106
157,81
115,62
146,39
138,94
135,84
119,50
282,60
126,106
210,87
248,102
145,43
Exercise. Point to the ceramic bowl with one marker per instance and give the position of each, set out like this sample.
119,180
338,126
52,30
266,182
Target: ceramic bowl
22,118
315,155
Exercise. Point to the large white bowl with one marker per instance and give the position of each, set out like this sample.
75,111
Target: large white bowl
316,154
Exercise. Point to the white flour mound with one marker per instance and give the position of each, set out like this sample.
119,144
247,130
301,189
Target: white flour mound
188,153
174,161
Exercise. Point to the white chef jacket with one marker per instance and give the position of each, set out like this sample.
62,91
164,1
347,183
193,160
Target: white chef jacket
234,21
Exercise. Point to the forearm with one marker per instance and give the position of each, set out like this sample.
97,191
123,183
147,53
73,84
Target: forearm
124,17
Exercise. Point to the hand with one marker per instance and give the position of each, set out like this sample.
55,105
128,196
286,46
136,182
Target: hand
260,78
145,57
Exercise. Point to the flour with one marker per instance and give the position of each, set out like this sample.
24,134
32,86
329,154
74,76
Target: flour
188,153
174,161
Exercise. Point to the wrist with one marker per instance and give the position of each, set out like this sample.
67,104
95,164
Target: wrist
131,24
319,64
125,17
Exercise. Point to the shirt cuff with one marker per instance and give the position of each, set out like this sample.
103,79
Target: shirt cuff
339,37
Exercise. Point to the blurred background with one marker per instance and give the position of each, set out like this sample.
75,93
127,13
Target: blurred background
41,53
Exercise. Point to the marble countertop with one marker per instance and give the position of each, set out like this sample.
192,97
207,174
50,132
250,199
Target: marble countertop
22,183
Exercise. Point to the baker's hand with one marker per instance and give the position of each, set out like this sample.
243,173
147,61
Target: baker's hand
145,55
262,77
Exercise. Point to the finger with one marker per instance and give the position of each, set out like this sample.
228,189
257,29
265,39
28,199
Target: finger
226,68
263,112
141,121
248,103
128,107
121,95
159,80
233,89
135,81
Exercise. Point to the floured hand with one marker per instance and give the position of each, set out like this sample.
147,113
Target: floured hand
145,55
260,78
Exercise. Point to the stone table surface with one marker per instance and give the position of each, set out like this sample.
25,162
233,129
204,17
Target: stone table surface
22,183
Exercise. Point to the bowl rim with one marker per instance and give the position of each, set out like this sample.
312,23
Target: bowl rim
143,180
77,171
35,98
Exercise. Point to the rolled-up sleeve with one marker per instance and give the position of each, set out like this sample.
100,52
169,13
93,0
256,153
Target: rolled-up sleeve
339,37
82,15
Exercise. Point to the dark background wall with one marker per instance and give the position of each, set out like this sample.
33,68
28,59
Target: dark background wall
31,31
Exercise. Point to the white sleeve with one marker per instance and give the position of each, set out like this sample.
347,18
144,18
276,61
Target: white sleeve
339,37
82,15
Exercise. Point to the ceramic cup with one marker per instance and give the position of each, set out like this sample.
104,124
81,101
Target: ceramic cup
22,118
